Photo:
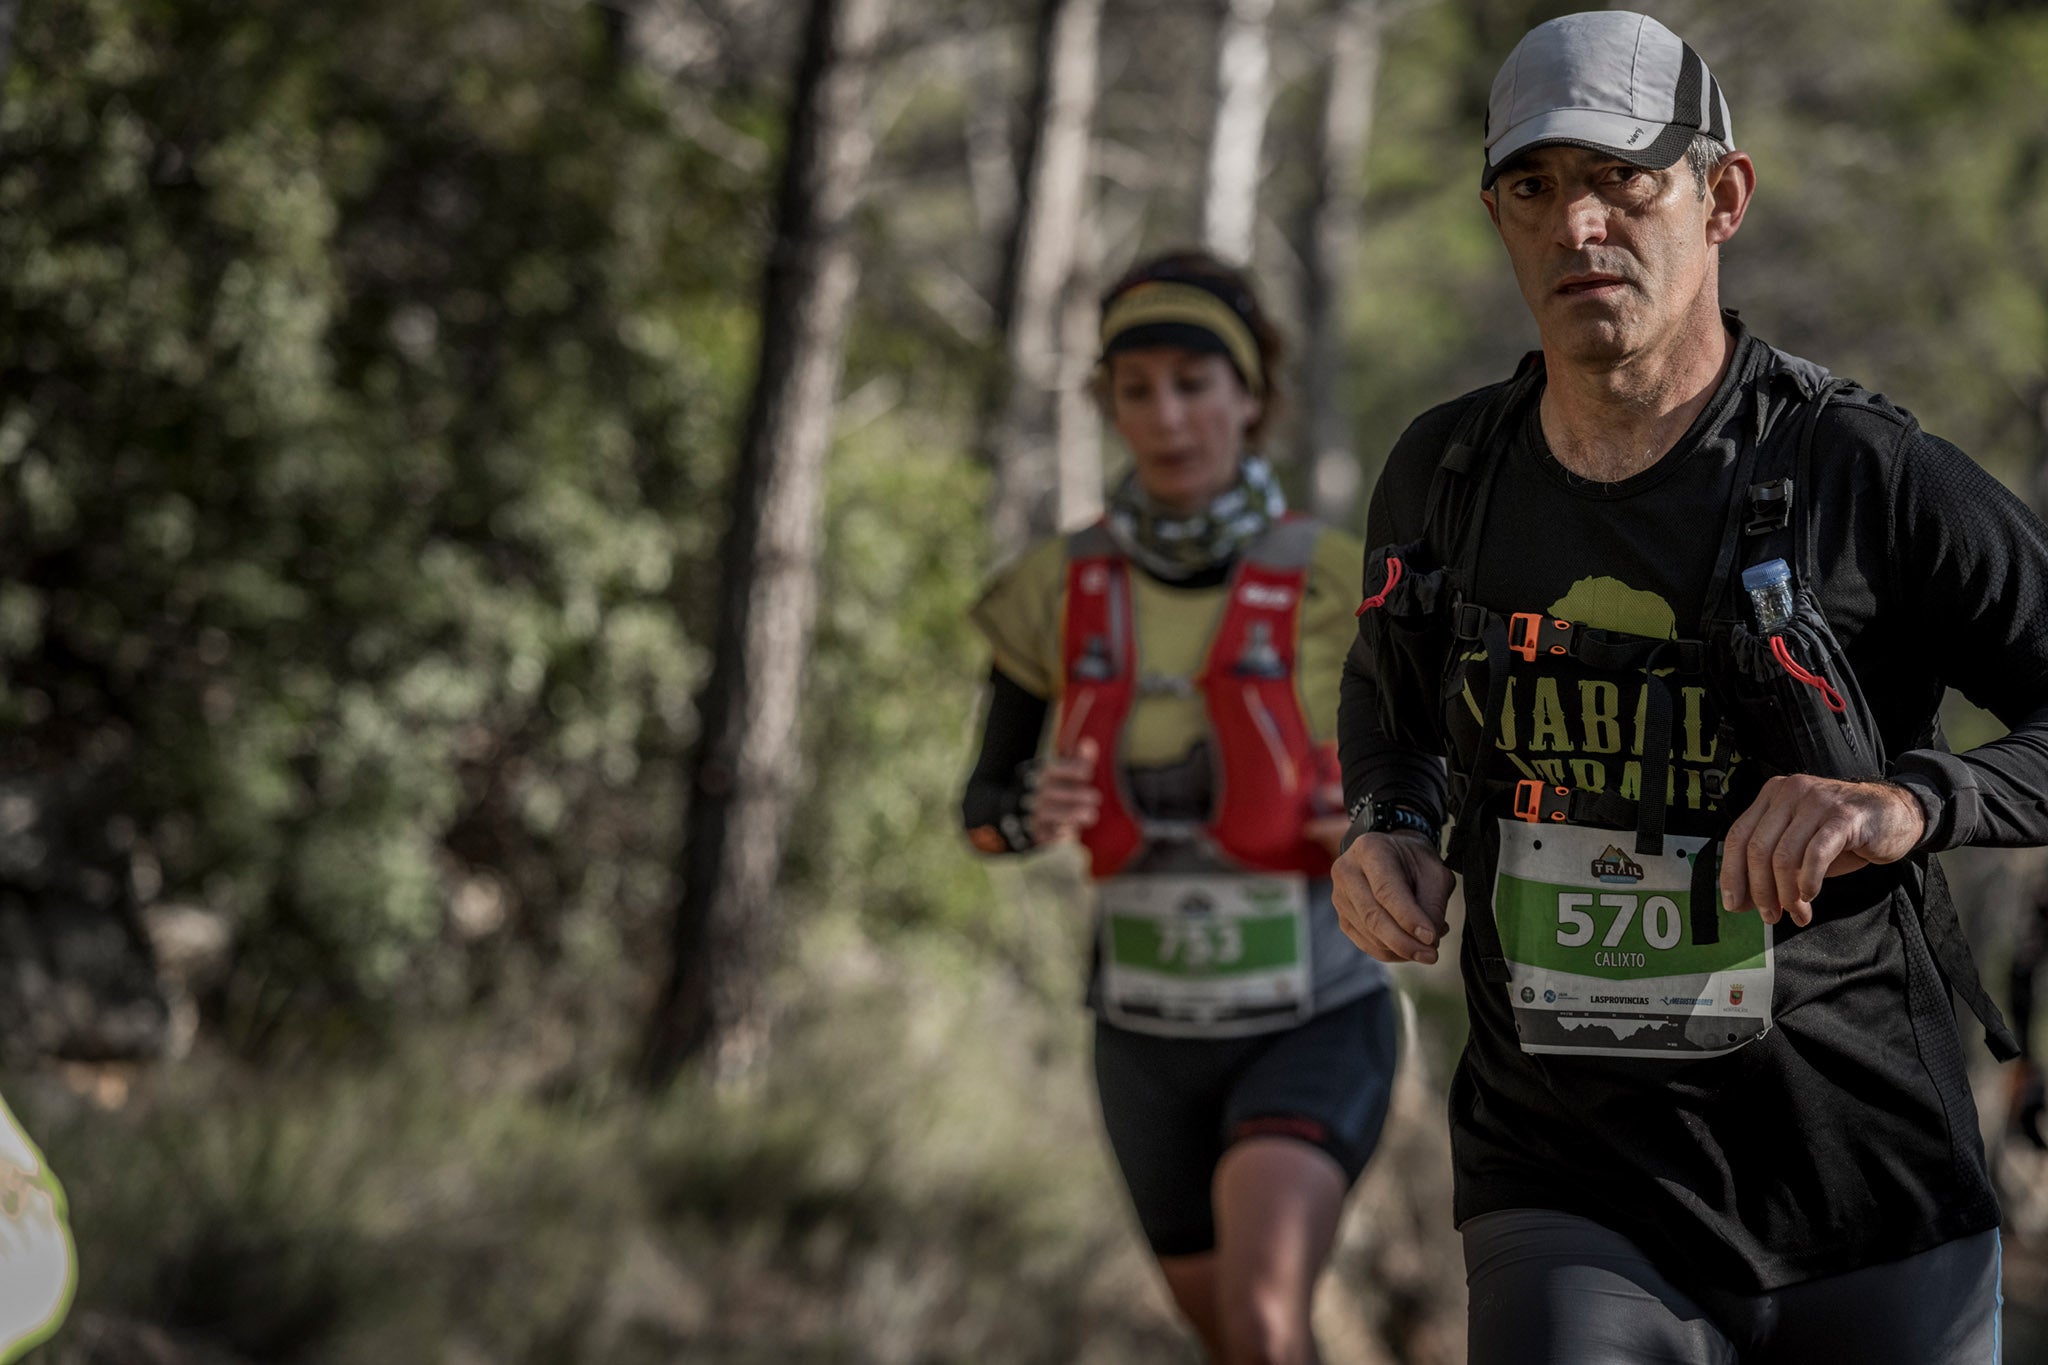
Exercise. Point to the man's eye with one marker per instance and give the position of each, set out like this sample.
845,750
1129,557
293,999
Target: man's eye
1526,188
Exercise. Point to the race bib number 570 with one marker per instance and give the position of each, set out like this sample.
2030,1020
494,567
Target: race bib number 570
1600,951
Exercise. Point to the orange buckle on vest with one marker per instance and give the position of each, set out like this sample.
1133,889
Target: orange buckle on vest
1531,633
1542,804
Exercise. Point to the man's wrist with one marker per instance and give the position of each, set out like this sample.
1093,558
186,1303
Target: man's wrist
1946,788
1393,816
1918,809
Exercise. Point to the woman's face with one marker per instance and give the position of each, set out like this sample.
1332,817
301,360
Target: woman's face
1183,414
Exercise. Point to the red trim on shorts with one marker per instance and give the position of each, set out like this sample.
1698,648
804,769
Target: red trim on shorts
1283,1125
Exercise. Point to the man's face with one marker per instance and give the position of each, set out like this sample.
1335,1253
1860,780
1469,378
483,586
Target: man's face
1611,257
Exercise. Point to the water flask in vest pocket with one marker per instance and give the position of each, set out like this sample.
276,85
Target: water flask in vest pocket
1258,658
1799,708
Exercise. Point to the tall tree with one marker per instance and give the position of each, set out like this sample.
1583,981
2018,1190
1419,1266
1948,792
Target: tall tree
991,158
1023,433
1230,188
9,9
744,768
1328,249
1077,422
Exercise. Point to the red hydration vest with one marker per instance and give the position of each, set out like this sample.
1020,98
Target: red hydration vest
1268,765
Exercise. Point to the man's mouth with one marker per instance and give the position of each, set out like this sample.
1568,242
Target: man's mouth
1578,285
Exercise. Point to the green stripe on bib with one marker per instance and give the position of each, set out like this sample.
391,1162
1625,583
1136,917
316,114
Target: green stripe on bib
1204,946
1622,933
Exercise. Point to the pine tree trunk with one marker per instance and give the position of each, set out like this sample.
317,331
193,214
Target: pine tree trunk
1329,254
1230,193
1078,422
744,768
1022,431
991,159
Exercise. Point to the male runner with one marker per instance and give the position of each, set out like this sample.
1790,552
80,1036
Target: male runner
1678,610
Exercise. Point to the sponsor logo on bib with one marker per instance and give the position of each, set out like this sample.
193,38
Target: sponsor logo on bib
1615,866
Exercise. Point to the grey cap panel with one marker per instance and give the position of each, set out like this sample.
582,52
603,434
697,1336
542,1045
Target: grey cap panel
1611,81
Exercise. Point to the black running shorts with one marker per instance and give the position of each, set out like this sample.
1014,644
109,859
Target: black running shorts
1173,1106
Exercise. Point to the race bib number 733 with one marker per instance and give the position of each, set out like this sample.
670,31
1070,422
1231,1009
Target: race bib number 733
1219,955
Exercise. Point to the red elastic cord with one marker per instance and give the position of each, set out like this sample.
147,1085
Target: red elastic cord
1827,690
1379,599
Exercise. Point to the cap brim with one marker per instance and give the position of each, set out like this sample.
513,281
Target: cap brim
1639,142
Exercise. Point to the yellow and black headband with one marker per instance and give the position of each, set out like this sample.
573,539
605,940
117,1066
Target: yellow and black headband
1167,313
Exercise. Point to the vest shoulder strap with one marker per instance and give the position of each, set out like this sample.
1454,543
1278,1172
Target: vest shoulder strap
1456,505
1288,544
1780,509
1806,376
1092,541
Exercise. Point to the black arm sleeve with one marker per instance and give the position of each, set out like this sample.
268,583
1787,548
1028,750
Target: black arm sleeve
1972,562
1373,765
2029,950
997,793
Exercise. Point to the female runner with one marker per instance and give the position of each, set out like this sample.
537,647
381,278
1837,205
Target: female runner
1177,663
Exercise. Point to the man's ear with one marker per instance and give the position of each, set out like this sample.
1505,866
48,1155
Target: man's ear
1492,203
1729,188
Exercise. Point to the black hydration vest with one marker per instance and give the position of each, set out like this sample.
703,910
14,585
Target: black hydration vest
1788,700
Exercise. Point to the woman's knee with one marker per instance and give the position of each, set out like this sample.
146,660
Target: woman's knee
1264,1325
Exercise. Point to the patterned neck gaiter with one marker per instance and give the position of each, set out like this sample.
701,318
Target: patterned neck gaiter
1174,546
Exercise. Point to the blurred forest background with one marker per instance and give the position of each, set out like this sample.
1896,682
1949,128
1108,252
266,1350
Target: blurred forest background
489,492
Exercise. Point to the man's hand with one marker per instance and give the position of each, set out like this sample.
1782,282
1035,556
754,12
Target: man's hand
1801,830
1065,801
1391,890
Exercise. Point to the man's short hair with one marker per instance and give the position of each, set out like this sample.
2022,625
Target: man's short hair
1704,153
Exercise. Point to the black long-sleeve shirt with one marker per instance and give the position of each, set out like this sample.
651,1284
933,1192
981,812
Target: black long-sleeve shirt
1844,1135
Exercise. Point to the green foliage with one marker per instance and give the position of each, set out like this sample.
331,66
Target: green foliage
369,378
913,1177
359,412
897,659
1899,233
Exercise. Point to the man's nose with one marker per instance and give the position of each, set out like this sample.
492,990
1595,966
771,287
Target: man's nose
1582,221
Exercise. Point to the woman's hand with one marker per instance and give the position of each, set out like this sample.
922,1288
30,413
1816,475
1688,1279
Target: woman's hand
1065,800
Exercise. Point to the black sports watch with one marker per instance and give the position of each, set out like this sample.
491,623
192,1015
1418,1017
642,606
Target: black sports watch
1392,817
